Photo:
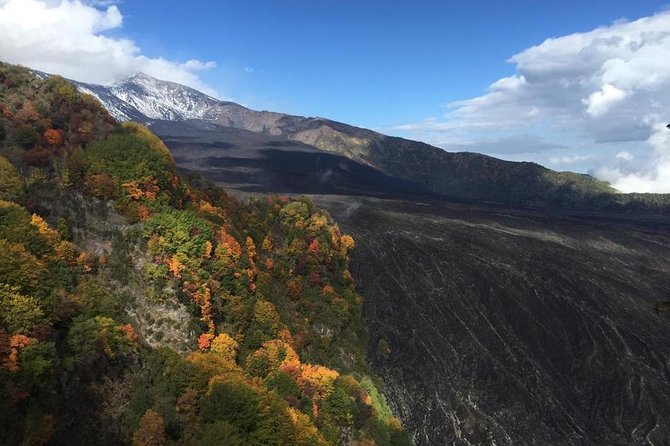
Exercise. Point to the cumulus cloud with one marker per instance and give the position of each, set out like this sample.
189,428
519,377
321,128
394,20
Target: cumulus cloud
652,176
608,89
72,38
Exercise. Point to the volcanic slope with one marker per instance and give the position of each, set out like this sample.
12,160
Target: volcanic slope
492,326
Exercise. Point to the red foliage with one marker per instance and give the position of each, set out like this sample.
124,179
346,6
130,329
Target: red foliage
314,278
37,156
314,246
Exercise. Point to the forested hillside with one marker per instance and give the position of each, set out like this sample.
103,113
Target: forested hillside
139,307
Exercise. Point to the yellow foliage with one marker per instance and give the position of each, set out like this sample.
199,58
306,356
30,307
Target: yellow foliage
317,380
44,229
266,314
347,244
152,140
278,353
251,248
213,364
225,346
175,266
267,244
316,223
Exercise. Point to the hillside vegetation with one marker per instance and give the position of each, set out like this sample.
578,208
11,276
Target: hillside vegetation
137,307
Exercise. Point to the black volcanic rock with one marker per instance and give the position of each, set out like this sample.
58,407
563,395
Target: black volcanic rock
254,162
507,327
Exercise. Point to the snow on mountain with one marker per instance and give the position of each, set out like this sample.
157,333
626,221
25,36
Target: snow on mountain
141,97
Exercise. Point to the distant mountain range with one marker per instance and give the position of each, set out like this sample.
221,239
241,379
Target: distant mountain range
459,175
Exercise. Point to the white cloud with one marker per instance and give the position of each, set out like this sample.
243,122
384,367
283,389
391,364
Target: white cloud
600,101
625,156
570,159
69,38
606,89
653,176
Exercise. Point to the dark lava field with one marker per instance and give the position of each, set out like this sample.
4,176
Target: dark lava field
508,327
488,325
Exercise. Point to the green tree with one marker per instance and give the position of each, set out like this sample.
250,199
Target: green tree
18,313
11,183
25,136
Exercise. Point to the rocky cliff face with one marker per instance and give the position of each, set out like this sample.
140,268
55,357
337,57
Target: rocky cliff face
513,328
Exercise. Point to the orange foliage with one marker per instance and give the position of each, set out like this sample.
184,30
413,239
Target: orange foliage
285,336
204,298
53,137
16,344
175,266
128,331
133,190
365,397
208,249
205,341
229,250
143,212
149,189
269,264
86,262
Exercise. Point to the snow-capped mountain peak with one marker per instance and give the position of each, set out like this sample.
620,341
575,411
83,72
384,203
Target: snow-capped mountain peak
141,97
157,99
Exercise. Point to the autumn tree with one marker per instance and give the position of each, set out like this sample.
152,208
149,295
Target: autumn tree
151,431
53,137
18,313
11,183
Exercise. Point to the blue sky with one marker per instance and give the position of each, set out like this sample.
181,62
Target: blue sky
370,63
572,85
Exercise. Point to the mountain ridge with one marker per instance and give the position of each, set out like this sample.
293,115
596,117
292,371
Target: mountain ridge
459,175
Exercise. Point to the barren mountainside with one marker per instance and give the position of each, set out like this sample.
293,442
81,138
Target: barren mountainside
456,175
